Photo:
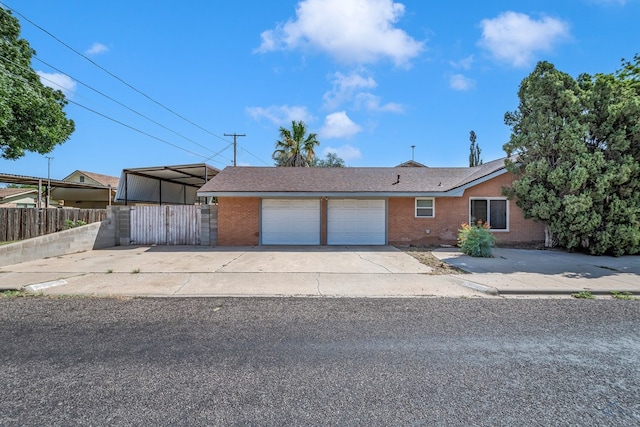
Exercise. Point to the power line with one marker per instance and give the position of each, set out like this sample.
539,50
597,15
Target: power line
115,120
256,157
119,103
141,131
4,70
4,4
110,73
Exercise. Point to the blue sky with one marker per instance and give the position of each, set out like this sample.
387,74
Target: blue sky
371,77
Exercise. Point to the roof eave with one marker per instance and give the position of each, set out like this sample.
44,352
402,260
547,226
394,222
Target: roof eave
309,194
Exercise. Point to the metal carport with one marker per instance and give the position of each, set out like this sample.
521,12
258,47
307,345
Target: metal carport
176,185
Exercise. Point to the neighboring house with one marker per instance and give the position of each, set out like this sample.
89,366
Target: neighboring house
411,164
18,197
99,192
364,206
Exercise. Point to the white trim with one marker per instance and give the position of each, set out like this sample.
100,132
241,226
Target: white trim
488,199
433,207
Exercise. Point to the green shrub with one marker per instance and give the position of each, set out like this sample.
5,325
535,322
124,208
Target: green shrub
476,240
73,224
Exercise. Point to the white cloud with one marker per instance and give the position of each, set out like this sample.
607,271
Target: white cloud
282,114
352,31
371,102
96,49
345,152
58,81
344,87
339,125
460,82
464,63
515,37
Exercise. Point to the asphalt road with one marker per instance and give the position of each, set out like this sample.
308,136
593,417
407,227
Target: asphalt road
286,361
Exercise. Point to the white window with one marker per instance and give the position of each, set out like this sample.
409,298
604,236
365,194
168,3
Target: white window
425,208
491,211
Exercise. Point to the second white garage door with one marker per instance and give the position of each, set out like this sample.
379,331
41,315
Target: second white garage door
290,221
356,222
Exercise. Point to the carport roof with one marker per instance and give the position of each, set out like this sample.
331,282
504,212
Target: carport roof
143,188
382,182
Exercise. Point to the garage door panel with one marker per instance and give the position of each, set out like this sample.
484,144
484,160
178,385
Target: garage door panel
356,222
290,222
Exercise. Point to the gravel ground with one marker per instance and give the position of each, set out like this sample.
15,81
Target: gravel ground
288,361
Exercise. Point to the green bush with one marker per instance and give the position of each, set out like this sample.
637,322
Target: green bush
476,240
73,224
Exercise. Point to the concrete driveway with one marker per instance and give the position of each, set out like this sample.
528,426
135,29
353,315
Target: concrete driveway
520,271
319,271
252,271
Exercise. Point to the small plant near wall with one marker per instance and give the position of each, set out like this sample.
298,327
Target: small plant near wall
73,224
476,240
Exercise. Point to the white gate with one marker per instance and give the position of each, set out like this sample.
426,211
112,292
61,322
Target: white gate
165,225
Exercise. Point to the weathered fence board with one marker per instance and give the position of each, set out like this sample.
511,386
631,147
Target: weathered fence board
25,223
165,225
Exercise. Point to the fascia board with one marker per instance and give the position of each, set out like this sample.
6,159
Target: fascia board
284,194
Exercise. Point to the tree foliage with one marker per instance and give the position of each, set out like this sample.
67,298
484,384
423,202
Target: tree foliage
295,147
577,143
31,114
331,160
474,151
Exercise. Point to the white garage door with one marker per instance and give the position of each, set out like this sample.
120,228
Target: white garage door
356,222
290,221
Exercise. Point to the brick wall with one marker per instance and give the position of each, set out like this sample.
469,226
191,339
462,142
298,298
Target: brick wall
238,222
450,213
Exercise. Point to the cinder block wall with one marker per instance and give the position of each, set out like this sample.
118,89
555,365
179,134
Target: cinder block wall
209,225
87,237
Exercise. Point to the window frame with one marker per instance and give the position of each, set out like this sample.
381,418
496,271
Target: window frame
433,207
488,200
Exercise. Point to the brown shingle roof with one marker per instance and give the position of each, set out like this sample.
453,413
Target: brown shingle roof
105,180
8,192
345,180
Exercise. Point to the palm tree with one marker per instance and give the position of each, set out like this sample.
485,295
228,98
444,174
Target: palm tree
295,147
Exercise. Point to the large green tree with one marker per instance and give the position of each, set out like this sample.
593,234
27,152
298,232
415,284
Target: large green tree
331,160
577,167
295,147
31,114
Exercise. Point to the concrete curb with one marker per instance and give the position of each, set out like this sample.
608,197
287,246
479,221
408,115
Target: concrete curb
563,292
44,285
479,287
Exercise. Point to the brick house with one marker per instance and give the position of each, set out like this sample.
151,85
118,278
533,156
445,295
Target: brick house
364,206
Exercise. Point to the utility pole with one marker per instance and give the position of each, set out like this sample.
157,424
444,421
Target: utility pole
48,180
235,144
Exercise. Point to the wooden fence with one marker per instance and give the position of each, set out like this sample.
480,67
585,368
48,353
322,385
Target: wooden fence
24,223
165,225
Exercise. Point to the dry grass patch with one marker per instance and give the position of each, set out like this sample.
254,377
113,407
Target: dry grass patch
424,255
